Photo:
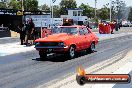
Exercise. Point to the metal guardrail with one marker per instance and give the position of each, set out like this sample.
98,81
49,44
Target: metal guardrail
4,29
5,32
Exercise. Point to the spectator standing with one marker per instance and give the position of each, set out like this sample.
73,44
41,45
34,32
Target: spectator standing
22,33
112,25
30,32
116,26
36,34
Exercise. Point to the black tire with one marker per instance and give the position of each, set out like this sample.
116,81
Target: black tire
42,55
91,49
80,80
71,52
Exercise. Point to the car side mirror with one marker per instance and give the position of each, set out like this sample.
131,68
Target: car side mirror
89,27
85,34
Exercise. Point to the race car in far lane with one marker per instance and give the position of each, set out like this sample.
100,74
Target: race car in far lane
68,40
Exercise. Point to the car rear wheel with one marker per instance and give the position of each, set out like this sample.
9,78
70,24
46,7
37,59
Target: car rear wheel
91,49
42,55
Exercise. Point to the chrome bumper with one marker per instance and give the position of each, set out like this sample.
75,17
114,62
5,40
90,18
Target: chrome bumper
51,47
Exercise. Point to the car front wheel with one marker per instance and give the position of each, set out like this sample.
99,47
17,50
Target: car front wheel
71,53
42,55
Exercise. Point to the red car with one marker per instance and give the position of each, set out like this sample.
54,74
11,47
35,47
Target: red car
68,40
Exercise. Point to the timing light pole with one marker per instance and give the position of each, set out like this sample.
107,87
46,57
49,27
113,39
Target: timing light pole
110,10
52,13
52,9
95,8
22,11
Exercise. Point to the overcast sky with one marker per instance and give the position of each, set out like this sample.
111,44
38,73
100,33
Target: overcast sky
100,3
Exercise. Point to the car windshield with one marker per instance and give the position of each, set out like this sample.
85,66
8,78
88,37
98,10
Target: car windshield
55,30
68,30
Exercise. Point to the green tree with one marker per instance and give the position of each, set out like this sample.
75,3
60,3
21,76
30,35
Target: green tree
118,6
45,7
130,15
2,5
103,13
113,10
113,13
87,10
67,4
14,4
31,5
56,11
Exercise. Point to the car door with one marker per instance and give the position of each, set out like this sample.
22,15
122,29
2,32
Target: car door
81,39
88,37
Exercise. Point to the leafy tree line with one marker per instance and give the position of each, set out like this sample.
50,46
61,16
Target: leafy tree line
130,15
30,5
118,8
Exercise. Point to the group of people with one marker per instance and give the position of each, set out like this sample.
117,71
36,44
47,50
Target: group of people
108,27
27,33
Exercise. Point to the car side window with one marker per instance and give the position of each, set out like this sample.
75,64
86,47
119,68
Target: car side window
74,30
81,31
86,31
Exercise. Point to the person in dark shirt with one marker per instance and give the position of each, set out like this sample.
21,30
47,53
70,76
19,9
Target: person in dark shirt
22,33
116,25
30,32
36,34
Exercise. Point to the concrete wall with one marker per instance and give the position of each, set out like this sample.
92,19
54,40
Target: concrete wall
4,33
8,33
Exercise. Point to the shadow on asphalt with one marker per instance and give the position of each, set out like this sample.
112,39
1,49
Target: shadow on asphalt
61,58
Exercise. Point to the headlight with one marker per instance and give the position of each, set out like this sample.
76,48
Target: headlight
61,44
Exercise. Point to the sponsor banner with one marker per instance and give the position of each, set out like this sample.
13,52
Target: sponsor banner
44,20
83,78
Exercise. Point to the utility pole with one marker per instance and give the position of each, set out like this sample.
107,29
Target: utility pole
41,19
52,13
22,6
53,1
95,8
117,10
110,10
50,10
22,11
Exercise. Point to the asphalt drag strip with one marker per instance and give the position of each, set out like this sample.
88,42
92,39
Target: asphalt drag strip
108,55
23,71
